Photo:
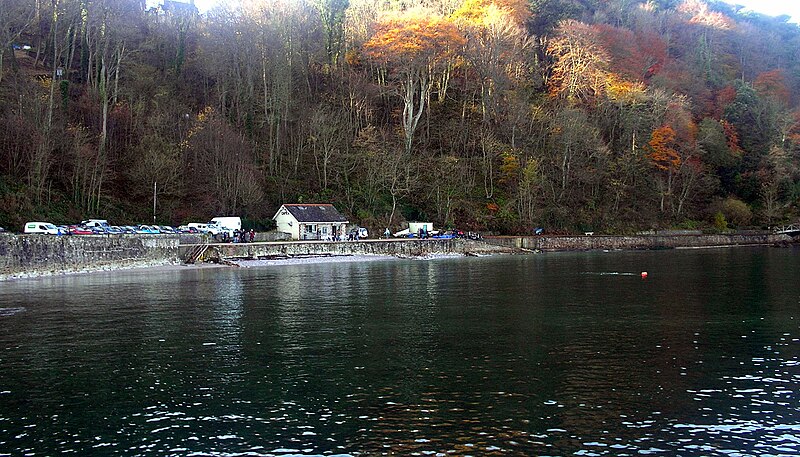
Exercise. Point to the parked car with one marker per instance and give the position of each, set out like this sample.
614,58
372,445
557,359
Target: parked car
40,227
200,227
2,230
166,229
147,229
95,223
78,230
225,224
128,229
187,229
358,232
474,236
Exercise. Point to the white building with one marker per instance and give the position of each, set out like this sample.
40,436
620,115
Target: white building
310,221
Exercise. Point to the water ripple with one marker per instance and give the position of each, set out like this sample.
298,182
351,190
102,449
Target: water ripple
547,355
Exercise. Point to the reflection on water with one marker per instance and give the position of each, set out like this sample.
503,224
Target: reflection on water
533,355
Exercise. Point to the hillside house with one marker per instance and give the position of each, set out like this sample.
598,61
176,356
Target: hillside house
310,221
177,7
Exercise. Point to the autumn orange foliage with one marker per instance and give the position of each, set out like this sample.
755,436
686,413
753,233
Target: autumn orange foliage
794,129
662,153
509,168
732,136
413,39
476,11
702,15
636,55
772,84
618,89
723,98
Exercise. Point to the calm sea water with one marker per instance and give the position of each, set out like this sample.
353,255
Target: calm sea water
550,354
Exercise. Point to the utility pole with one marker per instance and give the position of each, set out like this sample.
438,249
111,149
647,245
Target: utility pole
155,186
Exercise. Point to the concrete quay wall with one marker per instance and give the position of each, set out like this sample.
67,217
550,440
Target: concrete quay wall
595,242
37,255
396,248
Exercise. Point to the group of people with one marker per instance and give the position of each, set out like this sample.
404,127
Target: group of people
239,236
351,236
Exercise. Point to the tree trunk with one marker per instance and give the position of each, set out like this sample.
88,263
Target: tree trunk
415,94
2,54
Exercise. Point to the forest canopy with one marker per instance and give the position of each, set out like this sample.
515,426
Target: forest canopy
493,115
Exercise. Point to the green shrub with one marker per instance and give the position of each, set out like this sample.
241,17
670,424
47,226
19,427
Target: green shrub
719,222
688,224
737,212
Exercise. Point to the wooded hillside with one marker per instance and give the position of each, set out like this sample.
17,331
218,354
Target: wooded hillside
501,115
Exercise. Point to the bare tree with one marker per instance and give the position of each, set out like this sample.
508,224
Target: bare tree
328,136
224,164
413,48
16,17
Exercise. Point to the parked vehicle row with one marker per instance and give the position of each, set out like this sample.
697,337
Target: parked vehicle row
101,229
218,226
437,234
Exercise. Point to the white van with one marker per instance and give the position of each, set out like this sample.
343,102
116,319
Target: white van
41,227
225,224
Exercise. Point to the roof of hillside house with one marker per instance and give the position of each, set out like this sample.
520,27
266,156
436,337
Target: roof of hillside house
179,6
321,212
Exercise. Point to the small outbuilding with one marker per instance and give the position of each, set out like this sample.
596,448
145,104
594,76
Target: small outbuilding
416,229
311,221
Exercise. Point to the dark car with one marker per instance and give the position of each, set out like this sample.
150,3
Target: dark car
358,233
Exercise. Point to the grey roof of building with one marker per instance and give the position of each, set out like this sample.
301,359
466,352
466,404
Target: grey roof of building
315,213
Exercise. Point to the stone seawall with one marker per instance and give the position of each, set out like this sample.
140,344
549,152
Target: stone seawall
397,248
35,255
581,243
492,245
